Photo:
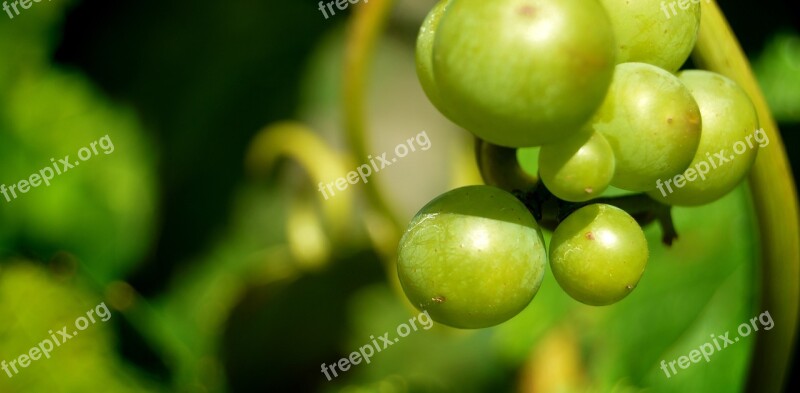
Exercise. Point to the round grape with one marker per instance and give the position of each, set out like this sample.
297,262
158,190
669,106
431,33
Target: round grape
473,257
579,168
424,53
656,32
598,254
528,159
651,122
728,145
522,72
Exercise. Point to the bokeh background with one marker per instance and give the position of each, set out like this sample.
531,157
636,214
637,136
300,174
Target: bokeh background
224,268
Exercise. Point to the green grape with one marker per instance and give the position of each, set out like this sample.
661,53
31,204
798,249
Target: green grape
579,168
651,122
656,32
522,73
728,145
598,254
528,159
424,53
472,257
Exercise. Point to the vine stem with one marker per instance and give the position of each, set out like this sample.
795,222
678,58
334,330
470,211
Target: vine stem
775,201
364,31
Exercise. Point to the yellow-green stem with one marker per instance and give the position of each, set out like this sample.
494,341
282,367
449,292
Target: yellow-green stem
775,201
364,32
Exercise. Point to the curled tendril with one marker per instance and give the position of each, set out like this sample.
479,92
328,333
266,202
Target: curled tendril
309,236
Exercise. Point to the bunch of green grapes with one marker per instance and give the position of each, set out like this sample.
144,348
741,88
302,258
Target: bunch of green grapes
587,93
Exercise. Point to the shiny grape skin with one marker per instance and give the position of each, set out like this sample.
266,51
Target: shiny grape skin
579,168
730,125
472,258
649,31
520,73
424,53
652,123
598,254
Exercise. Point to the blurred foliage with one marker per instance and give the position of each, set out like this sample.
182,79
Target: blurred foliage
220,282
52,115
778,72
49,114
27,43
35,302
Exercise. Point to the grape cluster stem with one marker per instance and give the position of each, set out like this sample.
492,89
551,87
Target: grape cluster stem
549,210
499,167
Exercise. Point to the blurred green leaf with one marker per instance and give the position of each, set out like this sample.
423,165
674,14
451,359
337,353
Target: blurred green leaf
33,303
427,360
778,73
103,210
28,40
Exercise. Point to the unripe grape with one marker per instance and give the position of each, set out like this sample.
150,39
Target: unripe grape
598,254
522,72
528,159
579,168
654,31
651,122
472,257
424,53
728,145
